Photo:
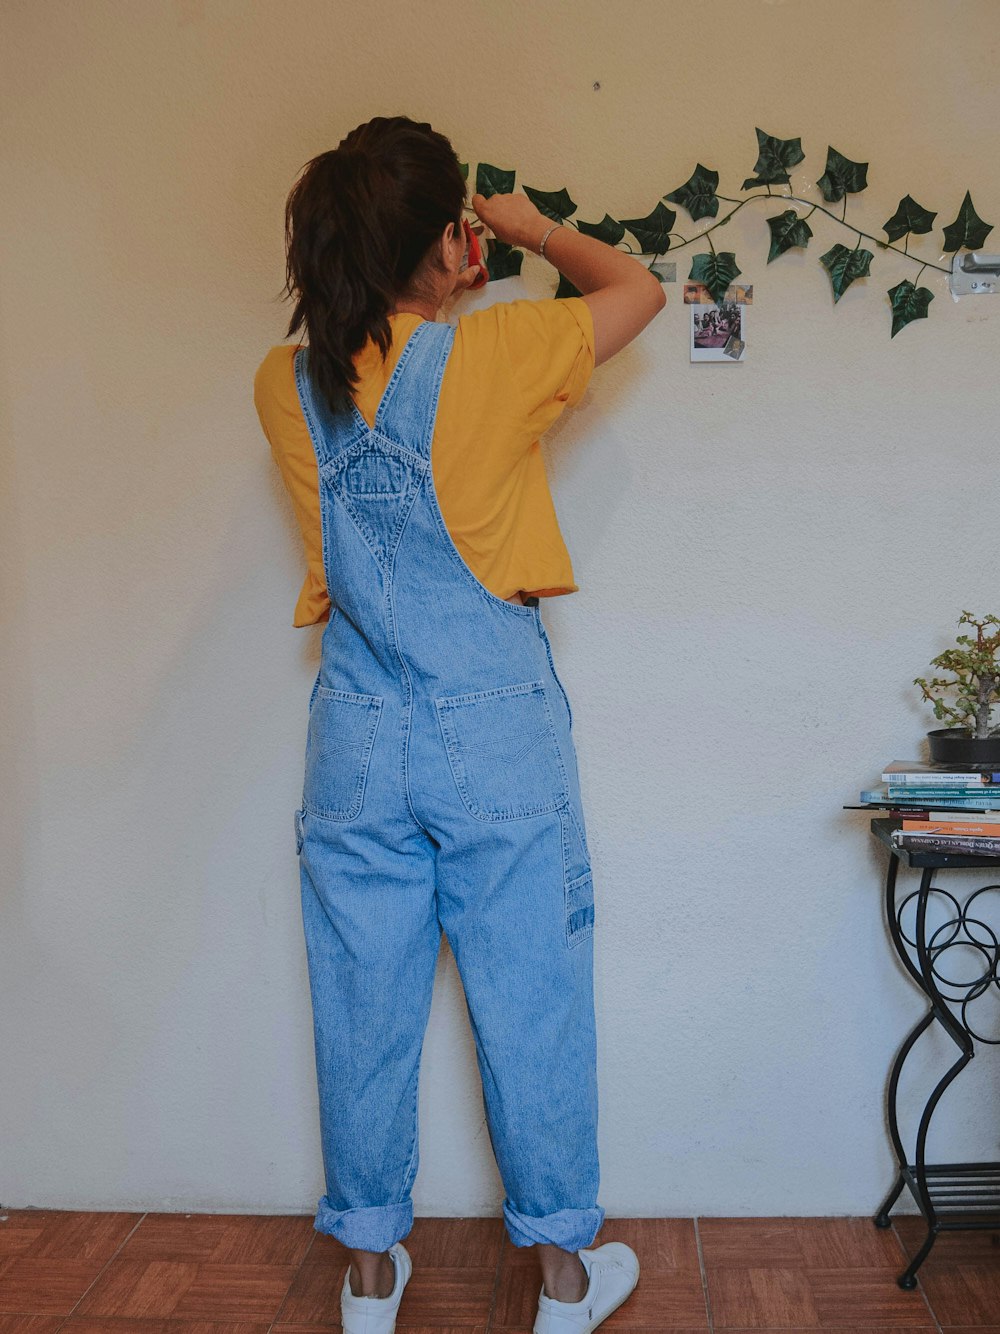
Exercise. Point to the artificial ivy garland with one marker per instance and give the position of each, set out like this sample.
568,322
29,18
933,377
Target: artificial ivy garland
717,269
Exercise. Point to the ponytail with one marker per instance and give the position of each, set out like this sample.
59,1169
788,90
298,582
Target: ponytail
358,222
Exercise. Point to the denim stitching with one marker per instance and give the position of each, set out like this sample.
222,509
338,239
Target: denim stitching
411,1165
374,705
445,703
585,925
408,710
447,541
447,342
555,675
370,539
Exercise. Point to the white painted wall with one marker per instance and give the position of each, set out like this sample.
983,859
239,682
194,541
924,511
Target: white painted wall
768,554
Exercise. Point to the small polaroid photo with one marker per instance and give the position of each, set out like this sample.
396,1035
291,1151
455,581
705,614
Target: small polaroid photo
698,294
718,331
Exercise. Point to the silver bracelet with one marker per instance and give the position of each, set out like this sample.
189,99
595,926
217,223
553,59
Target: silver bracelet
541,246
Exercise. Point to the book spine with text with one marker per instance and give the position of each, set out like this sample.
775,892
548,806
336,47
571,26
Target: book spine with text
954,843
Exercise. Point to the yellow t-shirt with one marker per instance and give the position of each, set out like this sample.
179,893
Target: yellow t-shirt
512,369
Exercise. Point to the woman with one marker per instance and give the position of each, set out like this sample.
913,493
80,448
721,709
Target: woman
441,789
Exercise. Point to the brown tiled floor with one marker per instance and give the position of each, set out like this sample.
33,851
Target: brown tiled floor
104,1273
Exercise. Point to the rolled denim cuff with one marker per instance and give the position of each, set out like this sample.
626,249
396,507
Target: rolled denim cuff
369,1228
571,1229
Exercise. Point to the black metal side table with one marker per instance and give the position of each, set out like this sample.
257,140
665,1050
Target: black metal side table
951,1196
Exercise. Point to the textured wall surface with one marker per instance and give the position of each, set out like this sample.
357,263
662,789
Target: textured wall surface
767,554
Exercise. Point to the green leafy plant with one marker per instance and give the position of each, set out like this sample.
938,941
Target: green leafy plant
976,685
699,197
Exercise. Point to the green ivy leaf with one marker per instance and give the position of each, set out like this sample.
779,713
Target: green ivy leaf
968,229
715,272
908,303
844,266
464,169
503,260
842,176
606,230
787,230
566,288
908,217
492,180
774,157
697,194
555,204
652,231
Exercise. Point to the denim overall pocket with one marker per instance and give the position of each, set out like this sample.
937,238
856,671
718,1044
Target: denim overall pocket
579,908
342,727
578,879
503,751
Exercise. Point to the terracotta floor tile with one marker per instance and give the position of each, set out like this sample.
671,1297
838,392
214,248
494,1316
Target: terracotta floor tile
147,1289
453,1242
448,1295
129,1325
660,1243
759,1298
792,1243
64,1234
519,1282
453,1295
664,1299
68,1272
43,1287
235,1239
866,1296
281,1328
30,1324
961,1294
313,1298
978,1247
961,1276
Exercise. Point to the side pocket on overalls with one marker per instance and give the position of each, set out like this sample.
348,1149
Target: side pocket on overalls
299,836
578,881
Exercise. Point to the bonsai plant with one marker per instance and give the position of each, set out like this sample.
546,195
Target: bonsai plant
972,740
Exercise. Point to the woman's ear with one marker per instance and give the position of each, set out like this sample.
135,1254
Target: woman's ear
447,248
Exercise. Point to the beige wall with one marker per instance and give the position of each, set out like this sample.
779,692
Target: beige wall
767,554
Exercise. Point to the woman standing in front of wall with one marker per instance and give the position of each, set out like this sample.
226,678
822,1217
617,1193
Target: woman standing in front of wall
441,789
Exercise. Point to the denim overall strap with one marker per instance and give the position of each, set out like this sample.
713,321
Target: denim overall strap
408,417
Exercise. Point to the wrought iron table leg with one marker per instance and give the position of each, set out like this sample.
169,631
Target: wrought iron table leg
923,974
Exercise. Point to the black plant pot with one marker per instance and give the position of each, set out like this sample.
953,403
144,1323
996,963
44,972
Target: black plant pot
954,745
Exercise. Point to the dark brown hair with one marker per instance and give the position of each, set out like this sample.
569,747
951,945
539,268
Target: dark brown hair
358,222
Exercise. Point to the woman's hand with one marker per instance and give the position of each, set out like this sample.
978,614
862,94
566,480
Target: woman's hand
466,278
511,218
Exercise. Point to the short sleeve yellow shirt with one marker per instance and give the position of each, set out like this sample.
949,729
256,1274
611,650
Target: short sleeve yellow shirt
513,368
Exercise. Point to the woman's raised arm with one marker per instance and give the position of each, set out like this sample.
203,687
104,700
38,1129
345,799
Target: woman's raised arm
622,294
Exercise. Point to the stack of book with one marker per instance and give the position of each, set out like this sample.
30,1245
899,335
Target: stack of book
942,808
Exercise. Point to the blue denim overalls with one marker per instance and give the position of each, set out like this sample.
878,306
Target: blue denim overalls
441,792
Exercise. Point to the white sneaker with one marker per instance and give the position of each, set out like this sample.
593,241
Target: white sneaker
613,1270
375,1315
